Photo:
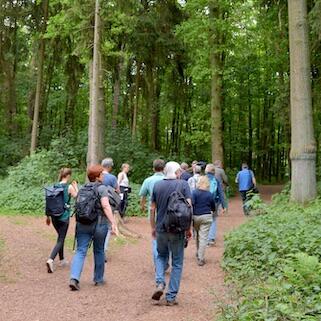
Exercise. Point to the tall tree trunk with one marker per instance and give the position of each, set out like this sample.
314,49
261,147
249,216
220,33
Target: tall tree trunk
95,127
41,60
303,149
137,84
216,84
116,94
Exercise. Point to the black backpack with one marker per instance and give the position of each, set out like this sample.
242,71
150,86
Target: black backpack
55,200
178,217
87,206
114,198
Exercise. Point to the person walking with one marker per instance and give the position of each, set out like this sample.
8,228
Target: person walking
61,223
167,242
109,180
194,179
185,175
246,182
95,231
222,178
217,192
124,188
203,209
146,191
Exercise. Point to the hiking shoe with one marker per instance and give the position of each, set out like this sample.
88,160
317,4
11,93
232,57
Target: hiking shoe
158,292
100,283
211,243
74,285
50,266
200,262
171,303
63,263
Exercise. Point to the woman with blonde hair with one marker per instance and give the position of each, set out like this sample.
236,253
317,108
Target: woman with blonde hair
203,206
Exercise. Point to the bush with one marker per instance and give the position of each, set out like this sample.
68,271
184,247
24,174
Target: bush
274,261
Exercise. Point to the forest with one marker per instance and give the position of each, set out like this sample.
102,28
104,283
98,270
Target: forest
230,80
186,80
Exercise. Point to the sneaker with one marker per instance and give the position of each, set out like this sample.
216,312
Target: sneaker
50,266
211,243
171,303
74,285
63,263
158,292
200,262
100,283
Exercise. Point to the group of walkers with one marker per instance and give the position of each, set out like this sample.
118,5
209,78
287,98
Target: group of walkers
196,194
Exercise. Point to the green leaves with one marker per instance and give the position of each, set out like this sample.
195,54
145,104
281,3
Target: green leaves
275,262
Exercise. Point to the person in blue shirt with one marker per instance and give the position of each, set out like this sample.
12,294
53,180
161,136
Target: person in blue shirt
246,181
109,180
146,191
203,208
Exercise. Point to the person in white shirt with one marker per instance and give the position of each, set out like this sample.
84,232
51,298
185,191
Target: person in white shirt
123,184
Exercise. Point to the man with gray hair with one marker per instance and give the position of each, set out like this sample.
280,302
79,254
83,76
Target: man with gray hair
168,242
108,180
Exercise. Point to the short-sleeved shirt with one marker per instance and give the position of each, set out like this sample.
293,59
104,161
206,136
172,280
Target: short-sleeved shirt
245,179
110,180
146,189
66,214
102,191
221,176
161,192
193,181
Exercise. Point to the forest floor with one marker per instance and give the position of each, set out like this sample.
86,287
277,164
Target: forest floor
29,293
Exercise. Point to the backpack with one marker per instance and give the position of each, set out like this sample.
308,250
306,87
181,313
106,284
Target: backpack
87,206
55,200
178,216
213,187
114,198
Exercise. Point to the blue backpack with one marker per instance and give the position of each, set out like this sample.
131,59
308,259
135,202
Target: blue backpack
213,188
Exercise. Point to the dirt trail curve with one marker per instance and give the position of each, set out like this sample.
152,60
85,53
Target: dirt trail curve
29,293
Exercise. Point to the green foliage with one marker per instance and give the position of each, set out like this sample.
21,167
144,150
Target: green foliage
125,149
22,190
274,261
133,208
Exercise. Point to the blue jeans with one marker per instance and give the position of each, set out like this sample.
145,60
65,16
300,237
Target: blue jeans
84,234
212,231
169,243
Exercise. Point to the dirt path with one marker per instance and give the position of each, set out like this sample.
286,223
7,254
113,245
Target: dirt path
28,292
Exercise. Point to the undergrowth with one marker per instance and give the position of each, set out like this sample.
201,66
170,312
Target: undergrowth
274,263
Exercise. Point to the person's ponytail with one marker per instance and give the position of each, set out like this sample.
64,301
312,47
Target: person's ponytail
64,172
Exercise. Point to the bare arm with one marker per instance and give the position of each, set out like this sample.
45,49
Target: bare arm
143,204
189,232
253,180
73,189
109,214
152,218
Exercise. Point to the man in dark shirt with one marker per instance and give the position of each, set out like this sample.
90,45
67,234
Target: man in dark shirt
185,175
168,242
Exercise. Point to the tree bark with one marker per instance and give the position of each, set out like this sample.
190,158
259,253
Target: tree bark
95,127
303,149
216,84
41,60
137,95
116,94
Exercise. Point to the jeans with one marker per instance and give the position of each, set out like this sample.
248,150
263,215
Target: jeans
169,243
61,227
213,228
202,224
124,201
84,234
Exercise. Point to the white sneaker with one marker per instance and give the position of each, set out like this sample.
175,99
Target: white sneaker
50,266
63,263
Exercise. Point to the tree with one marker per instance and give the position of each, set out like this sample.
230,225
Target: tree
303,148
96,110
41,61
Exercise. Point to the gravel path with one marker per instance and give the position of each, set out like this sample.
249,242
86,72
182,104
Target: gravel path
28,292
